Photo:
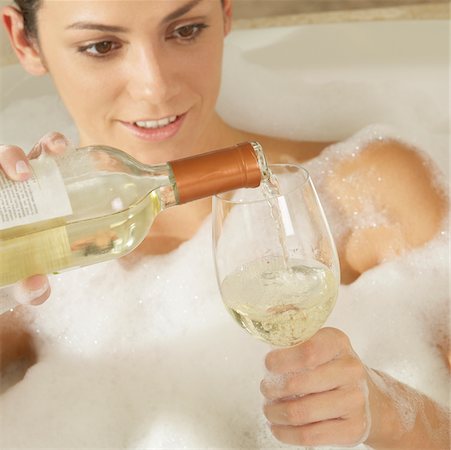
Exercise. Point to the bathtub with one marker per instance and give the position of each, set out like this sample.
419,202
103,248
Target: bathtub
320,82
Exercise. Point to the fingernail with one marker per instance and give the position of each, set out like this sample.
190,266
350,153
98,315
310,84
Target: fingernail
58,145
30,297
22,168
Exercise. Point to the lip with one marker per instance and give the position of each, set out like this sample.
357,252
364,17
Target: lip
157,134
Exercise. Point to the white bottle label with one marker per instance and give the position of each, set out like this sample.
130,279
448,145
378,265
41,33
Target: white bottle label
42,197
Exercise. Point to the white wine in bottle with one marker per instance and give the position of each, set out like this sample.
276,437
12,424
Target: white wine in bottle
97,203
281,302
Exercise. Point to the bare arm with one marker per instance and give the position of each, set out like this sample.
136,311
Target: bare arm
404,418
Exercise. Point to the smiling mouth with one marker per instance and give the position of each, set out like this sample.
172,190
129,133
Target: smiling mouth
156,130
155,124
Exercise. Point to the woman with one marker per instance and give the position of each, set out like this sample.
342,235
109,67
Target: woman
144,77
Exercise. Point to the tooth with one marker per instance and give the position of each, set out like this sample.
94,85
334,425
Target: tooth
163,122
156,123
148,124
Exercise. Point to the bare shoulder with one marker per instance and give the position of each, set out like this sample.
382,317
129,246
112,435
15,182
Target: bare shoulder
400,180
395,158
397,184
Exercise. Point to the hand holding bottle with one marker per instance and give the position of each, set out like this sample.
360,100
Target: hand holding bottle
97,203
14,163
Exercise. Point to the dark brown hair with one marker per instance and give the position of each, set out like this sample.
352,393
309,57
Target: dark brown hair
29,9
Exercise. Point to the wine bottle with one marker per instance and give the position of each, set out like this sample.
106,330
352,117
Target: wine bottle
97,203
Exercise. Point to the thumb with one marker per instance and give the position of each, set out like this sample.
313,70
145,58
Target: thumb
52,142
32,291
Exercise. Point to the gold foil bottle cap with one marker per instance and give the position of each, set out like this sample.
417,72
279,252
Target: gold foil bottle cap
218,171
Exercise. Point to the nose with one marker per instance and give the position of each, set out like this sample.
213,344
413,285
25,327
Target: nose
151,76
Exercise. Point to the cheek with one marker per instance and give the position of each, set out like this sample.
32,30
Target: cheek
78,81
208,89
84,91
206,73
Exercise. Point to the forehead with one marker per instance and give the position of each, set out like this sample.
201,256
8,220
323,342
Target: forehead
122,10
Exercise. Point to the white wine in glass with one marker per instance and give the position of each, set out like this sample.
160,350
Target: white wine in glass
276,261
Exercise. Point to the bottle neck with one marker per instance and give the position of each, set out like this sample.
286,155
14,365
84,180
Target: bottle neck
183,180
240,166
162,183
168,196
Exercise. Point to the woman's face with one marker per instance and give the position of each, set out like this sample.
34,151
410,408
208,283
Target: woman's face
142,76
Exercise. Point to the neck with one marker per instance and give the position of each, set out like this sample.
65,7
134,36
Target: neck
219,135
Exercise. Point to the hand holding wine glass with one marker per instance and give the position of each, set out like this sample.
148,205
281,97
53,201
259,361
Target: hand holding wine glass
276,261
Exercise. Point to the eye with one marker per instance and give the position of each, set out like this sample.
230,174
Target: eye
99,49
188,32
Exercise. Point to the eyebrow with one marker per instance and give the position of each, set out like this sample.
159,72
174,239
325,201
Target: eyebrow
181,11
97,27
117,29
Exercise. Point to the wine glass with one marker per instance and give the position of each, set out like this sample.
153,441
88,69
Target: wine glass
276,261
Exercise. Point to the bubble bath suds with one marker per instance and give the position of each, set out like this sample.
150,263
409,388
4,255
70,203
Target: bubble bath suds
147,357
